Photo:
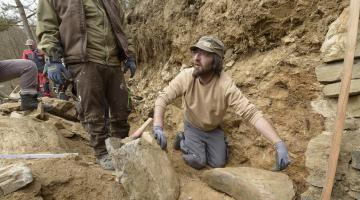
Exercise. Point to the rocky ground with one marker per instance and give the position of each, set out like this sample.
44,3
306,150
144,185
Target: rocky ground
273,49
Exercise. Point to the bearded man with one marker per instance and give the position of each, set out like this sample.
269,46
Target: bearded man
208,93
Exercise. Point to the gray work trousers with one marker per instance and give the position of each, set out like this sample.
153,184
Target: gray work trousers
25,69
200,147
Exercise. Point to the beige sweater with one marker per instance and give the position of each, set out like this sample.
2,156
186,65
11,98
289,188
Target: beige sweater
206,105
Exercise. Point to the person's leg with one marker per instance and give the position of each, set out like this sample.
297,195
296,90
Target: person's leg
25,69
216,148
90,92
117,99
193,148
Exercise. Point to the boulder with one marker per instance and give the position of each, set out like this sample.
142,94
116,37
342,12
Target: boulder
143,169
27,135
333,90
14,177
249,183
333,72
333,47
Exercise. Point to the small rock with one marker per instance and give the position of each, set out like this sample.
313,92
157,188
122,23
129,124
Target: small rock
61,108
250,183
16,115
66,133
14,177
230,64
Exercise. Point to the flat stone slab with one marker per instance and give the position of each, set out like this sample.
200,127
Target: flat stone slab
327,108
333,90
333,47
243,183
14,177
10,107
333,72
143,169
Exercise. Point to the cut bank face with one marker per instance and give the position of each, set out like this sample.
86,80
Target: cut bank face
203,61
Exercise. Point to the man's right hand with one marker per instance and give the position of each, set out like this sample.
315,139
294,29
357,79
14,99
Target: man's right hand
57,72
160,137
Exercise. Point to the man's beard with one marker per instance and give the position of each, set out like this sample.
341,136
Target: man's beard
198,71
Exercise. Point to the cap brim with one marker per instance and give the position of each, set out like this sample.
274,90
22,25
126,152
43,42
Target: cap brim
199,46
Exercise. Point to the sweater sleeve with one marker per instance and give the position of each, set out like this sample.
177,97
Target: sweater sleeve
241,105
176,88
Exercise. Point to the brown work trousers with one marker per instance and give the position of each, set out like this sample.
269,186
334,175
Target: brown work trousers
100,87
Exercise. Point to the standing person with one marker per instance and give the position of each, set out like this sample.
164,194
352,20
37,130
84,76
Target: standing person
207,92
33,53
27,71
90,35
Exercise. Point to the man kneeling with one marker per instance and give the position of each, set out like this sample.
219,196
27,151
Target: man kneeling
207,92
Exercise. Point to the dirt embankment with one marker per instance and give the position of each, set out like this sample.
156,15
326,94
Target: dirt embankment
272,50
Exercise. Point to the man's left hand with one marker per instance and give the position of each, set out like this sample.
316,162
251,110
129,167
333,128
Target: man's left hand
282,157
130,64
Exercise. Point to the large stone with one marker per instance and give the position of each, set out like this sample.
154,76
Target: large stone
62,108
244,183
333,47
27,135
355,158
14,177
333,72
333,90
143,169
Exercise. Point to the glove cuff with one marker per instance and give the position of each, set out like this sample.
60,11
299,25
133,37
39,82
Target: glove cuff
157,128
279,144
51,59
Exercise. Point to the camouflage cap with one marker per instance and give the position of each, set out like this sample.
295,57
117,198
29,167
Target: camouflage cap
29,42
210,44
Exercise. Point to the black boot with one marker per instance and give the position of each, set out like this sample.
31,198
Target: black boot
30,102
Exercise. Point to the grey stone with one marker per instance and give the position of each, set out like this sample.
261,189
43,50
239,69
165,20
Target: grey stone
354,179
14,177
143,169
333,47
355,158
333,72
333,89
250,183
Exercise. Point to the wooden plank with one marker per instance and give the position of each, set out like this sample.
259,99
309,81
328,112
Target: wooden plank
343,99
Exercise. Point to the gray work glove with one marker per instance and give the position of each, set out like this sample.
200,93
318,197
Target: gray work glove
130,64
57,72
282,157
160,137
